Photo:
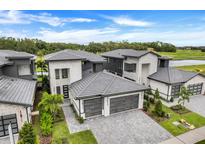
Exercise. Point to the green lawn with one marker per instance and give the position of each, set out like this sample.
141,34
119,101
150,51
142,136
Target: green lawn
194,68
61,134
190,117
201,142
185,54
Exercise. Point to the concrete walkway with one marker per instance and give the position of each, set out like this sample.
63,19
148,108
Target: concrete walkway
73,125
190,137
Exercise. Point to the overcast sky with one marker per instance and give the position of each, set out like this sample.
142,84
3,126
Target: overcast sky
177,27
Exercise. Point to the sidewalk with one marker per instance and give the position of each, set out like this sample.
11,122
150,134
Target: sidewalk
190,137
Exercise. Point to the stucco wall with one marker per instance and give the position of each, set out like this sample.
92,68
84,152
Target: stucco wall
131,75
6,109
74,73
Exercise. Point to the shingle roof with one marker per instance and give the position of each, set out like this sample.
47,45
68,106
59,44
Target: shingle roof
122,53
17,91
103,84
172,75
69,54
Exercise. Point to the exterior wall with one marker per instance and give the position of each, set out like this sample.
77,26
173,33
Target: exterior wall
6,109
12,70
150,59
115,65
195,80
74,73
88,68
75,103
106,110
164,89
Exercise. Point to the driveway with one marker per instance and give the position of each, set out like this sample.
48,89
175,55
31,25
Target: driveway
197,104
132,127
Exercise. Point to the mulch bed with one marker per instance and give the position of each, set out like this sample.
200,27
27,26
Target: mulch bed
45,139
180,110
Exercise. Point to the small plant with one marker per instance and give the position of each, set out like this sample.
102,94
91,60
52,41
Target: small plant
46,124
146,105
158,109
151,100
184,95
171,99
80,119
27,135
156,96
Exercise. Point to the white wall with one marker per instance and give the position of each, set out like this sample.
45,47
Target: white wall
195,80
6,109
74,73
139,76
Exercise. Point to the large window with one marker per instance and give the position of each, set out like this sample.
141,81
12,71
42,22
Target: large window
57,73
130,67
64,73
195,89
175,90
24,70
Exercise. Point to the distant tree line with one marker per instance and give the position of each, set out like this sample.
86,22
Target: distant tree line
34,46
202,48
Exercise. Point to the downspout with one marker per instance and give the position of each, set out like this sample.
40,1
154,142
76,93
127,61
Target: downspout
27,114
79,109
168,92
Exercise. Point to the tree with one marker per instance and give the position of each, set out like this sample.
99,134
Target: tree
27,135
46,123
156,96
50,103
184,95
41,64
158,108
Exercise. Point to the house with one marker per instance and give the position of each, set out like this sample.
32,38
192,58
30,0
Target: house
68,66
104,93
132,64
17,89
151,69
169,80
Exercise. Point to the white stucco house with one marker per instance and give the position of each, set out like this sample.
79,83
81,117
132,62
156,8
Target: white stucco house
150,69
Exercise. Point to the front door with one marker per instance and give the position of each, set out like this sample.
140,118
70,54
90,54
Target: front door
65,91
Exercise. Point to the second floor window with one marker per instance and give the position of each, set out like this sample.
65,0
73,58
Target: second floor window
57,73
64,73
24,70
130,67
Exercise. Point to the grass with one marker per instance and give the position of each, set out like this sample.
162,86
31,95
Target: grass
194,68
201,142
185,54
61,134
191,117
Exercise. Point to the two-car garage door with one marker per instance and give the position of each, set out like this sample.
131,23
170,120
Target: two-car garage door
94,107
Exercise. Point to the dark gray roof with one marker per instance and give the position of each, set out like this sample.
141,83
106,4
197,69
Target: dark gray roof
103,84
122,53
17,91
5,55
69,54
172,75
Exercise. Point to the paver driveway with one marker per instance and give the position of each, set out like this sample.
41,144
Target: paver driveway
128,127
197,104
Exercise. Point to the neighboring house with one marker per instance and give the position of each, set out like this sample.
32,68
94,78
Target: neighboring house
68,66
169,81
132,64
17,89
104,93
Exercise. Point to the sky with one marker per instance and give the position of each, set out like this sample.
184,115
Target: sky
180,28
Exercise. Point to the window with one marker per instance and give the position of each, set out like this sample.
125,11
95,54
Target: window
195,89
58,90
64,73
24,70
130,67
175,90
57,73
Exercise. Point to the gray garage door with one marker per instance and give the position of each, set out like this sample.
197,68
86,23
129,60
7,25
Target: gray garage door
123,103
93,107
195,89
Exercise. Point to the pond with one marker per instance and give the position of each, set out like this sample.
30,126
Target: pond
174,63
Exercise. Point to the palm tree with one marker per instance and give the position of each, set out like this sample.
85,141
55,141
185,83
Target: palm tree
50,103
184,95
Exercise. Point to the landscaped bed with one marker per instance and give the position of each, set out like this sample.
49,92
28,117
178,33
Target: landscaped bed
61,134
167,123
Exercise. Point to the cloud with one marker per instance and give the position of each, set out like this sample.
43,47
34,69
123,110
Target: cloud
126,21
82,36
18,17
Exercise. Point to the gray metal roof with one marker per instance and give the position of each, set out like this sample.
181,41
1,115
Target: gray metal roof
103,84
69,54
172,75
122,53
17,91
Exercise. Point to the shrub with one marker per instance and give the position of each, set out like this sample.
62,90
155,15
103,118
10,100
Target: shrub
146,105
146,97
46,124
158,109
27,135
80,119
151,100
171,99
